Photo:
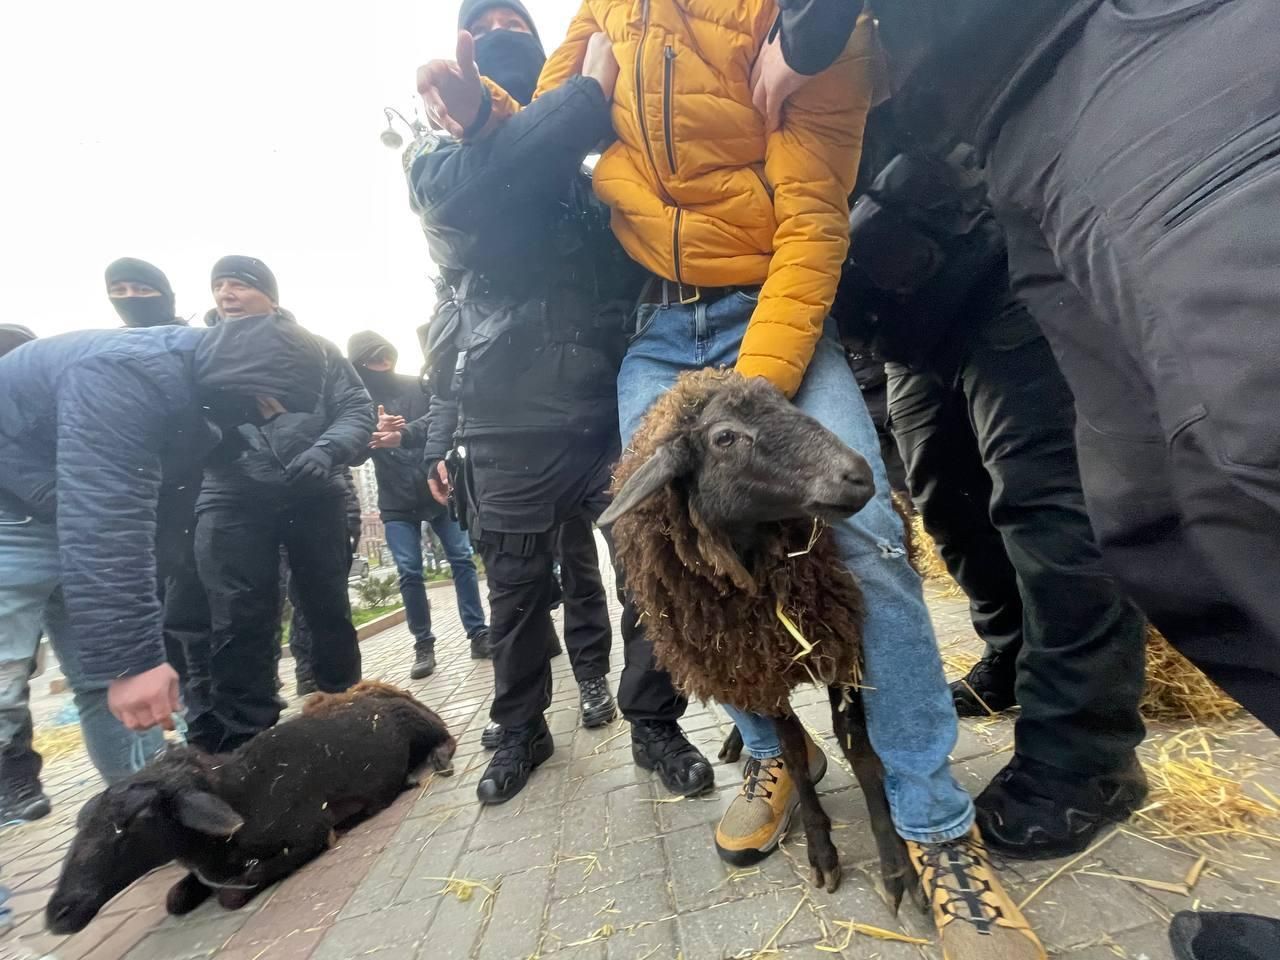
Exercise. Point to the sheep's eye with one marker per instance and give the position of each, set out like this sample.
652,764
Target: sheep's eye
725,438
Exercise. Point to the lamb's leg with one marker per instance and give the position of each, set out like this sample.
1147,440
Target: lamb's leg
185,895
731,750
268,871
850,725
817,825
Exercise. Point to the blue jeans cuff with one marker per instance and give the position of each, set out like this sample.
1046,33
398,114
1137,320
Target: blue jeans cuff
958,828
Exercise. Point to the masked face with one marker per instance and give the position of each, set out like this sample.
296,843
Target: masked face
146,311
512,59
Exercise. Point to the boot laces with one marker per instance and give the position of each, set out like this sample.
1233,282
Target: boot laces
597,688
957,868
759,777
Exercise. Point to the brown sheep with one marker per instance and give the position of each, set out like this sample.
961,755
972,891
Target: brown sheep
718,519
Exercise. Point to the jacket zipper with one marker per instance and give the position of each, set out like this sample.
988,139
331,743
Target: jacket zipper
644,131
668,77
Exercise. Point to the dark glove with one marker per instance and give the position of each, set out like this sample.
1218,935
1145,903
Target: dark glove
312,464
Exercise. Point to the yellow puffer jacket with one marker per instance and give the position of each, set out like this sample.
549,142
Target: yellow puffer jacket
700,193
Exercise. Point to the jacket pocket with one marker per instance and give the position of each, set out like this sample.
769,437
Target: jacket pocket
1234,167
12,518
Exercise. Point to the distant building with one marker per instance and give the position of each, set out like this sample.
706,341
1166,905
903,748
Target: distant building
372,534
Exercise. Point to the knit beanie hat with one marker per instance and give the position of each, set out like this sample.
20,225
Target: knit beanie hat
248,270
471,10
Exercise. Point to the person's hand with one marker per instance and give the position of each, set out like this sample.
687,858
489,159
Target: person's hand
773,83
312,464
147,700
451,89
385,440
600,64
387,422
438,483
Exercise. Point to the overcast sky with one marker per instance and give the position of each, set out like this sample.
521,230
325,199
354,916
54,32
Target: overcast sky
179,132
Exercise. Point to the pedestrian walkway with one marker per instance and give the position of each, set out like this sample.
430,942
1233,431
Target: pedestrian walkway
595,862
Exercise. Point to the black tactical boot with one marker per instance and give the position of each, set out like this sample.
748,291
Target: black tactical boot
424,664
1224,936
1032,811
492,736
21,797
480,647
598,706
520,751
306,686
662,746
988,686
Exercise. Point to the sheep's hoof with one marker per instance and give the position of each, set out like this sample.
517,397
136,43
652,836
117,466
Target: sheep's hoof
233,899
185,895
827,878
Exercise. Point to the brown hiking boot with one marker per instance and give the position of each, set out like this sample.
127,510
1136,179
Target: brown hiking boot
976,919
757,820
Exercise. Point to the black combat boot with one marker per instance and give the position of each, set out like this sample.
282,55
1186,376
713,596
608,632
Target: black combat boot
424,663
988,686
21,796
520,751
662,746
598,705
491,736
481,649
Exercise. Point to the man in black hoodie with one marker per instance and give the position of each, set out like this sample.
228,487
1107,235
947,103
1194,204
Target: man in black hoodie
539,289
405,500
140,294
279,483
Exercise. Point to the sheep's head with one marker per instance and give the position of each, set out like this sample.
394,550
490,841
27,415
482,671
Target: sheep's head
127,831
743,456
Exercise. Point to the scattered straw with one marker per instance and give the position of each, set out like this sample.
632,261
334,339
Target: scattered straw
1177,690
1063,869
465,889
1196,795
54,742
851,927
596,936
626,728
1181,889
1193,875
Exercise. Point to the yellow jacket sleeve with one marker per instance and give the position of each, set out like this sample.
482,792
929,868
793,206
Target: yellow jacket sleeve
564,62
812,163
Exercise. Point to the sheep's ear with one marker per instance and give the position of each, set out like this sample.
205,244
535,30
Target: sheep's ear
655,473
206,813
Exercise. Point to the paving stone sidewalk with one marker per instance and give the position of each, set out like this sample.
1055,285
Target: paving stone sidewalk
595,862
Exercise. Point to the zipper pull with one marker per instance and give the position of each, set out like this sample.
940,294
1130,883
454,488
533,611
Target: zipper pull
671,53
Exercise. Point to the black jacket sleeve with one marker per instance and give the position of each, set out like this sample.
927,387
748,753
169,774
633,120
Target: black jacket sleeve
813,32
469,195
110,425
349,408
415,432
442,423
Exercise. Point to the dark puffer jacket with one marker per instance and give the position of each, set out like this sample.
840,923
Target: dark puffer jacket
251,463
90,424
402,475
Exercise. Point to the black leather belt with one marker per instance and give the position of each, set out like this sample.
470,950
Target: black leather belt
667,293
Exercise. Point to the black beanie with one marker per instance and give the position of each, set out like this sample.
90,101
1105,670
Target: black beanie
248,270
471,9
12,336
138,271
365,345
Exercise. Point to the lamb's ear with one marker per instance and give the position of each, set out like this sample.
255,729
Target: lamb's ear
207,813
665,465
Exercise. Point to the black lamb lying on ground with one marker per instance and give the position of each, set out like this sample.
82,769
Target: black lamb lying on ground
241,821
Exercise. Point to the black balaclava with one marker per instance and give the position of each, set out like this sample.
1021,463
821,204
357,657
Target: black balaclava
509,58
249,270
142,311
12,336
365,346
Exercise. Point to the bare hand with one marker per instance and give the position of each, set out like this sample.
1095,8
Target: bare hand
439,484
451,90
773,83
147,700
385,440
600,64
387,422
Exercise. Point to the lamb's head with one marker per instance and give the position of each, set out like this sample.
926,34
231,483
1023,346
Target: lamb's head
128,830
742,455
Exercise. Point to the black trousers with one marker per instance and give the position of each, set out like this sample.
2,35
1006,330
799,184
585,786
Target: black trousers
1138,188
987,437
238,553
529,492
182,595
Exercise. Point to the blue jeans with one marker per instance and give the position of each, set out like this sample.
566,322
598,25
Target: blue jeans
29,599
910,715
404,538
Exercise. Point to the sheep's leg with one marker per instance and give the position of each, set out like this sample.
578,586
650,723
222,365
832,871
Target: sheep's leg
268,871
823,857
850,725
185,895
731,750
